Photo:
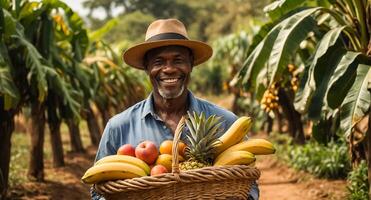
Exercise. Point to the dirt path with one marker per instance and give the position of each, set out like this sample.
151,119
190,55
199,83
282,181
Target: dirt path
278,182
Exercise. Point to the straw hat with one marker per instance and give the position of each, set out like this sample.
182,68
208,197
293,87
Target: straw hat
166,32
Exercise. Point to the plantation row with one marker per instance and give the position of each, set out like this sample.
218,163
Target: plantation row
52,69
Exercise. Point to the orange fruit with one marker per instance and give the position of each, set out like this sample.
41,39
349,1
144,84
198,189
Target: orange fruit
181,148
167,146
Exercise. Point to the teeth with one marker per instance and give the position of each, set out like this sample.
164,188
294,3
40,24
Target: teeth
170,80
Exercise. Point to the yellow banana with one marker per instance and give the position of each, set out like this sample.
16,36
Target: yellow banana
254,146
236,158
234,134
111,171
125,159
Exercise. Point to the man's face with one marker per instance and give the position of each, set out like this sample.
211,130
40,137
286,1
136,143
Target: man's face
169,70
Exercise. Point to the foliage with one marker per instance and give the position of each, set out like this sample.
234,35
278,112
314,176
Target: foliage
331,40
358,182
325,161
229,53
202,19
130,27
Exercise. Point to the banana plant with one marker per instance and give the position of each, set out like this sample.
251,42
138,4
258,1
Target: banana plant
29,74
332,41
117,86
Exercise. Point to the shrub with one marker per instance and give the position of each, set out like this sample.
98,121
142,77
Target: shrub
358,183
325,161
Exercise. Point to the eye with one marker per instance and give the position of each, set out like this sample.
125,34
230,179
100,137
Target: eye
178,61
157,63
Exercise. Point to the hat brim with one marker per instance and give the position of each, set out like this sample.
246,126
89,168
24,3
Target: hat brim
134,55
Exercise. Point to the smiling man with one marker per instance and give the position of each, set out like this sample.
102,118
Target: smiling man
168,57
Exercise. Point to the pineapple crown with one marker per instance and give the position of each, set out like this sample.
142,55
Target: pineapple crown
202,136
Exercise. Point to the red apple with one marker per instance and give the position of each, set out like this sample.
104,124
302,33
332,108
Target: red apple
126,149
147,151
158,169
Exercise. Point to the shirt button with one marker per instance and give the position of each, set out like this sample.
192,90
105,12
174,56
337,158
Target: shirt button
164,127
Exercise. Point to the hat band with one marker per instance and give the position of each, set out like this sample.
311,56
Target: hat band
167,36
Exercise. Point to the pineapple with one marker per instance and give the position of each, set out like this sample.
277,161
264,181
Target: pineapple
202,140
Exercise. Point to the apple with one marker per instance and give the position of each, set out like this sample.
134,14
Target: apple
126,149
158,169
147,151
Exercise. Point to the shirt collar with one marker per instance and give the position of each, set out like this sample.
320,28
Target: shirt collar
149,105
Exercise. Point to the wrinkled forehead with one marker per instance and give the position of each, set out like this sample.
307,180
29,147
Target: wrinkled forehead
181,50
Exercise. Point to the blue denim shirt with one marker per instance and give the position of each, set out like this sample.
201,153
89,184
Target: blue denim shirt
140,122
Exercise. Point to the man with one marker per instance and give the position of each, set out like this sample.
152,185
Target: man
168,57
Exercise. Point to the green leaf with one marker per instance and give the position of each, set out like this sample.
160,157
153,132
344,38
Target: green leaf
357,101
342,79
64,90
35,62
322,74
263,31
308,85
279,8
257,59
10,24
8,89
294,30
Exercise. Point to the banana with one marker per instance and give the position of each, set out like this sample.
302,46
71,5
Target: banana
236,158
125,159
234,134
254,146
112,171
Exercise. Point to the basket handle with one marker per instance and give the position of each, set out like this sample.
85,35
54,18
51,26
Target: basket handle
175,157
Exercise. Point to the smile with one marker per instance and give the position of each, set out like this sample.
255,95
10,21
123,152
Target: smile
170,81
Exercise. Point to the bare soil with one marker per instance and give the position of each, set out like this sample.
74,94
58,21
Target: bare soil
279,182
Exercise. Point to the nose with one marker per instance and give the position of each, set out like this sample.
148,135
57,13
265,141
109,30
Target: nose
169,67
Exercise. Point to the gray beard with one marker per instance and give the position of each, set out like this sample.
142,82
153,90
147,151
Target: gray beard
170,95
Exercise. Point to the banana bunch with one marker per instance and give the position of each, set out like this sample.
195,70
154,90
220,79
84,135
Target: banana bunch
115,167
294,82
270,98
234,134
244,152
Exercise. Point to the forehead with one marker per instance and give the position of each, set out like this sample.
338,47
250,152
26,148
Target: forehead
176,50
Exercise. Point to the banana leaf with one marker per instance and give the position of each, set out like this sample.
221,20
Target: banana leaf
294,30
342,79
308,85
357,101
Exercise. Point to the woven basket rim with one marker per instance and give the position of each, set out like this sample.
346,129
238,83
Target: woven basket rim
206,174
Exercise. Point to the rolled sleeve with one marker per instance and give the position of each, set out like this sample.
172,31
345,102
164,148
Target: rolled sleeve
254,192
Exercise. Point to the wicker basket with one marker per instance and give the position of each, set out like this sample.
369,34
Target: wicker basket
224,182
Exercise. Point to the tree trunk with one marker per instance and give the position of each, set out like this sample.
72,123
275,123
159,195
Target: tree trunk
6,130
295,124
75,138
105,115
93,126
55,137
36,165
368,136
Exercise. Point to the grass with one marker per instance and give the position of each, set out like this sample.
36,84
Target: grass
20,151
